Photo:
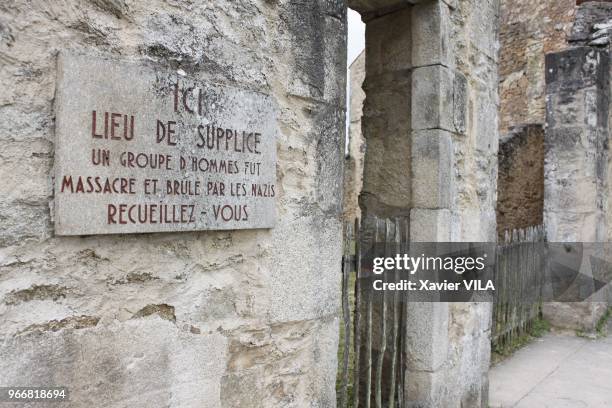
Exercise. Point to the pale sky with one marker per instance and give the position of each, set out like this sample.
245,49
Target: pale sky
356,35
356,44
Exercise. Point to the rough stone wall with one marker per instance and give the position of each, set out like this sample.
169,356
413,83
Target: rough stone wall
386,116
608,208
592,25
215,319
579,2
528,31
520,183
587,15
474,39
584,34
474,42
576,145
353,167
576,163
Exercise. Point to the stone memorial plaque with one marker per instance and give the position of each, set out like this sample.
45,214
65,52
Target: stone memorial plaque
139,150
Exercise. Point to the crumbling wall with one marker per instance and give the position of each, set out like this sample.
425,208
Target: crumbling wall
215,319
528,31
353,168
576,163
520,183
587,15
591,28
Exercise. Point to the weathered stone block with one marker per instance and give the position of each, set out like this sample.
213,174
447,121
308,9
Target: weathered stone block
430,225
329,134
473,225
430,27
439,96
585,108
425,389
587,15
389,43
571,227
574,316
386,128
264,362
432,94
487,135
143,362
577,68
427,337
319,28
309,290
486,14
460,102
431,168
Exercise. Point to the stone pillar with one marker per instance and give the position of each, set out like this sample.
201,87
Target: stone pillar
454,146
576,161
430,124
434,106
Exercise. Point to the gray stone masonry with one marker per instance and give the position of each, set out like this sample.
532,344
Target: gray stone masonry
430,125
576,163
240,318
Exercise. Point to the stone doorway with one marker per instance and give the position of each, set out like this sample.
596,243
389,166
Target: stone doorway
430,129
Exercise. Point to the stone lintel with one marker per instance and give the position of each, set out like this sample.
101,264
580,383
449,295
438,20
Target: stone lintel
370,9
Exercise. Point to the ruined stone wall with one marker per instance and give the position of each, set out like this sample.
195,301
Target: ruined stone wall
353,168
520,183
587,15
215,319
576,163
584,33
579,2
528,31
